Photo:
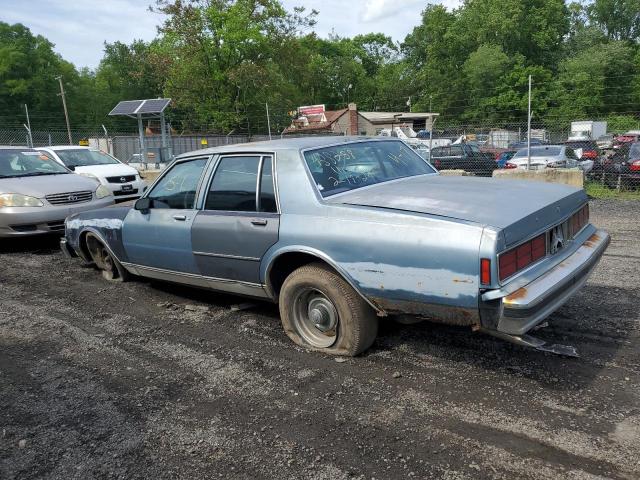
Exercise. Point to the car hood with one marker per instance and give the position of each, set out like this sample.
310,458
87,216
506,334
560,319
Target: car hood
518,207
110,170
47,184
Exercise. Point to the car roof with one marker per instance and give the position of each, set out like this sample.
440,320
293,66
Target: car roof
16,147
292,143
65,147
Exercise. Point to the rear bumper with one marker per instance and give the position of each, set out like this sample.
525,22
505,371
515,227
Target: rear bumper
521,310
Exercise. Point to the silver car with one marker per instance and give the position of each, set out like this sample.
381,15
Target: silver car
342,232
37,193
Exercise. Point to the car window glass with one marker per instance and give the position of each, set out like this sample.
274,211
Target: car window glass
349,166
474,148
234,185
17,163
267,192
177,188
85,158
455,150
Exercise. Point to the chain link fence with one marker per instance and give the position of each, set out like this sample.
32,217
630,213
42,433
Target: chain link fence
608,155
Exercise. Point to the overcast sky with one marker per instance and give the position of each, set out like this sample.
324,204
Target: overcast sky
79,28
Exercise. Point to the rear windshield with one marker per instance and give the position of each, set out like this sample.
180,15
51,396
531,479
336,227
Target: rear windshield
349,166
85,158
539,152
634,151
26,163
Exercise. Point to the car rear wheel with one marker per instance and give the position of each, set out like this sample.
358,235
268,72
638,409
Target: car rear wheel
110,267
321,311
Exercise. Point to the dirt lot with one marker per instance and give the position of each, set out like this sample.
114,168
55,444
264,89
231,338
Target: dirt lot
148,380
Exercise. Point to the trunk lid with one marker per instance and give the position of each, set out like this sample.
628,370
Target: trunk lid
519,208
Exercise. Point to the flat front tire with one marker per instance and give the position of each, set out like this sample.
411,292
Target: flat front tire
111,269
321,311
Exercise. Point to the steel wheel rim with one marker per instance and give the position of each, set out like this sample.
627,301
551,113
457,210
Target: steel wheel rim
315,318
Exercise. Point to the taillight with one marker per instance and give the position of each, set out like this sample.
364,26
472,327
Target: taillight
635,166
591,154
510,165
579,220
485,271
520,257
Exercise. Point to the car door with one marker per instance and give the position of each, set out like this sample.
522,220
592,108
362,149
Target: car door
160,237
239,220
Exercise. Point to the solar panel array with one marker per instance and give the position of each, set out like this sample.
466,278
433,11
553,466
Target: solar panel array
134,107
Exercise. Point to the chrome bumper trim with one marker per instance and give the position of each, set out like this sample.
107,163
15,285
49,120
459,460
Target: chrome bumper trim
532,303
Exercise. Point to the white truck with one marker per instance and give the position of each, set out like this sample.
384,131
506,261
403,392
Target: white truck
587,130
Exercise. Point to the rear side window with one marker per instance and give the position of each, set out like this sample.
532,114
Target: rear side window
234,185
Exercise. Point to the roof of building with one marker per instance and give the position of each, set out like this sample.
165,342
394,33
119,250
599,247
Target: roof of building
331,115
386,117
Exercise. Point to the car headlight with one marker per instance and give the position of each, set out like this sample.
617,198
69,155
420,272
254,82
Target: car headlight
17,200
91,176
102,192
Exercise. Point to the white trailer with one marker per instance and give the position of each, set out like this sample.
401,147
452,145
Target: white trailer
587,130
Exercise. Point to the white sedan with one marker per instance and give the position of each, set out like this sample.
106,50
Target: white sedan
549,156
124,181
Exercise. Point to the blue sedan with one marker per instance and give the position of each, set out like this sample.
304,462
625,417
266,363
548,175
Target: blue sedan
342,232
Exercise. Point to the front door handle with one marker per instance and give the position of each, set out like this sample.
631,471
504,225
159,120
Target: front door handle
180,218
259,221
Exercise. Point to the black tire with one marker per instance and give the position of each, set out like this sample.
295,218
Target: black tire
315,288
110,267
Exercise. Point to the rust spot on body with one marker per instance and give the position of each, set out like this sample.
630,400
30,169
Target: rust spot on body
591,240
518,294
458,280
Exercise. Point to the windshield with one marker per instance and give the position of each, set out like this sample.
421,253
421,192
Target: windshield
25,163
349,166
539,152
85,158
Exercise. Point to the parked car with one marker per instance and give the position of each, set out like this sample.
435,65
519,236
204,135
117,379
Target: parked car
547,156
124,181
623,168
503,158
342,231
463,156
626,138
37,193
585,149
421,150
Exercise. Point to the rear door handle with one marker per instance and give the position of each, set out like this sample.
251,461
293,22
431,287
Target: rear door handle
180,218
259,222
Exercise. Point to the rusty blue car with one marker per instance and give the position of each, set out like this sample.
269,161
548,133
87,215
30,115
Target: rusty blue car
344,232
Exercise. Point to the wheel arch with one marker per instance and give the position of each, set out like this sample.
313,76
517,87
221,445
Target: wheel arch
283,262
82,244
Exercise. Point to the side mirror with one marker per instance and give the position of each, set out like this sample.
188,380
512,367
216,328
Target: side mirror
143,205
71,167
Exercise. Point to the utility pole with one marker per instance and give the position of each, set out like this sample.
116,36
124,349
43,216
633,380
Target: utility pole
529,129
268,119
64,104
26,111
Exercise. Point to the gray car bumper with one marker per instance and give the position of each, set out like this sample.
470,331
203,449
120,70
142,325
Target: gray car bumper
526,307
24,221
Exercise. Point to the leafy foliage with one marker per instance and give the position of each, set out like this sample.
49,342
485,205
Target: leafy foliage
222,60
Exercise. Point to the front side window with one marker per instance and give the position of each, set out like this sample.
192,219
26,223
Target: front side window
345,167
539,152
177,188
28,163
83,157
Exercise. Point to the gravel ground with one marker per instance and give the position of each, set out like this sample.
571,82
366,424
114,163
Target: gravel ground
148,380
